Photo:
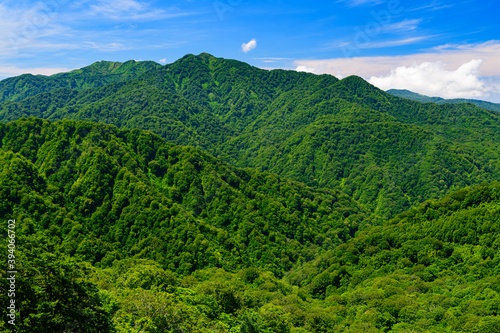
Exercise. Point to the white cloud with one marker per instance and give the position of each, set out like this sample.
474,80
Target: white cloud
445,58
405,25
247,47
271,59
133,10
116,9
105,47
117,6
390,43
435,5
305,69
21,26
453,56
432,79
163,61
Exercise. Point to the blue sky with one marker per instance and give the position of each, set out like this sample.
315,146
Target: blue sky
438,48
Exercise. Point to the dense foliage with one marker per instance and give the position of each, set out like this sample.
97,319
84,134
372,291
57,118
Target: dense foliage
96,75
125,225
386,152
432,269
119,230
109,194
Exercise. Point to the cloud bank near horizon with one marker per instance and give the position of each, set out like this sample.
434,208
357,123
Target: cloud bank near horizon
448,71
432,79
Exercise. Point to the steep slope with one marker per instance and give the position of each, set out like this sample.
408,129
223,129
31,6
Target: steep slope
117,229
403,93
129,105
95,75
387,152
433,268
85,193
109,194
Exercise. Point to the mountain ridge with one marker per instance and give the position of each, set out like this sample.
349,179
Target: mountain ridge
426,99
132,231
293,124
171,201
97,74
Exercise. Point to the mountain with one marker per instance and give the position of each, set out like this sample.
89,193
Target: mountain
95,75
100,195
387,153
403,93
119,231
433,268
108,193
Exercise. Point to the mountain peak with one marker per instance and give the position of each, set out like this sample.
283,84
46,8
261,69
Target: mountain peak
357,85
205,56
104,67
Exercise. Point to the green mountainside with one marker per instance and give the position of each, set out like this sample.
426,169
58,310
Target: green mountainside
435,268
95,75
386,152
132,189
403,93
119,230
211,196
98,194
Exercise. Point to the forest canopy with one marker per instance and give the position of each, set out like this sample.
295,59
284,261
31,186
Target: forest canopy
211,196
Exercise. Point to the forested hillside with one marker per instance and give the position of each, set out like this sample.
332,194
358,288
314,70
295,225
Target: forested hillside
211,196
109,194
386,152
119,231
95,75
435,268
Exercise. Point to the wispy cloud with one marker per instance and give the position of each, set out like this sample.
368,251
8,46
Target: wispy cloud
435,5
123,9
405,25
126,10
21,26
393,43
356,3
364,43
106,47
247,47
271,59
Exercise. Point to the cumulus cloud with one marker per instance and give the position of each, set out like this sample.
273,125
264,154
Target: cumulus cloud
452,55
305,69
247,47
163,61
453,62
433,79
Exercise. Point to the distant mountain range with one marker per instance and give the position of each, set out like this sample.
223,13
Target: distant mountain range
426,99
